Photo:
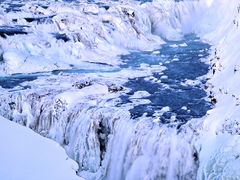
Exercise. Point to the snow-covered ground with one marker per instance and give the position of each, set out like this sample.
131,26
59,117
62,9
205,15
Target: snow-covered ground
81,111
25,155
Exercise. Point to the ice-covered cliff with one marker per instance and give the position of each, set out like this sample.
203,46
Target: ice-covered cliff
220,142
100,136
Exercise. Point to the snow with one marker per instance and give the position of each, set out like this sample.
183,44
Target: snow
62,112
72,97
101,137
174,46
25,155
140,94
94,35
219,142
183,45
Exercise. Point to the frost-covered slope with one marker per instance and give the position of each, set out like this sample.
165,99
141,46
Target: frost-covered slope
25,155
219,145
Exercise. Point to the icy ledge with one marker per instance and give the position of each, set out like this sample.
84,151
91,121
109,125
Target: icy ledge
25,155
98,134
65,36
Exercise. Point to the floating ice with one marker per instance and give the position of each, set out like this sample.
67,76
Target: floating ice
140,94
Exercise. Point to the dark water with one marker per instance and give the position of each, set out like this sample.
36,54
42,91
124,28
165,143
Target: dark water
9,82
12,81
176,94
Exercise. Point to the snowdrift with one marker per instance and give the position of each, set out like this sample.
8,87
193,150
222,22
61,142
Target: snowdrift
26,155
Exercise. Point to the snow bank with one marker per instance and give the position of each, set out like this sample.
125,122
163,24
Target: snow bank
219,142
25,155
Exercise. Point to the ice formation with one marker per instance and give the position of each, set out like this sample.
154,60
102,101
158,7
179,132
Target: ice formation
81,111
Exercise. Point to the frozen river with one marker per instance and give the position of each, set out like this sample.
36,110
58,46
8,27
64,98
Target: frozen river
180,87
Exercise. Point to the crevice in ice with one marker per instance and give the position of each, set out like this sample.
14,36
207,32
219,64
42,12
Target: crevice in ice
103,133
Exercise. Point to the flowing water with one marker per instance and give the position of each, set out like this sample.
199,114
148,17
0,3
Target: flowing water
183,62
154,141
